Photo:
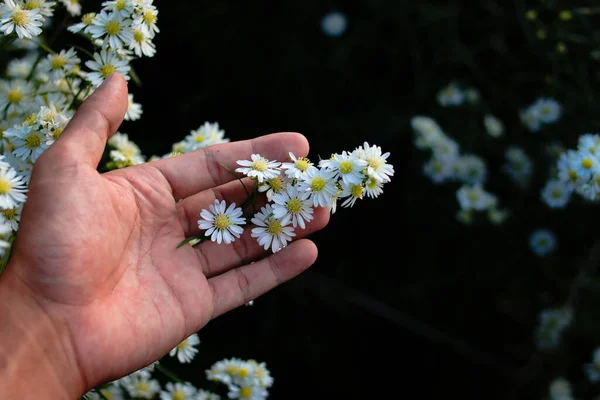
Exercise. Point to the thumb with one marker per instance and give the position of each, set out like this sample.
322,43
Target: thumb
96,119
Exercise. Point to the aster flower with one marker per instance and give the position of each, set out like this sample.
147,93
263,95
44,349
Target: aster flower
293,205
141,43
321,184
113,27
45,7
86,20
334,24
271,231
140,386
493,126
29,143
147,17
297,167
178,391
105,64
72,6
25,23
377,165
346,166
222,224
186,350
542,242
259,168
556,194
134,110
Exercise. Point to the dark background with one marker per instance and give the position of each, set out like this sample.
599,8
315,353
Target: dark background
403,300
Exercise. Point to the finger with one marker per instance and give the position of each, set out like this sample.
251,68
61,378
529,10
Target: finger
216,259
199,170
96,119
238,286
188,209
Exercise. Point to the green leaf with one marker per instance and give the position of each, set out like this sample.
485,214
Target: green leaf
189,239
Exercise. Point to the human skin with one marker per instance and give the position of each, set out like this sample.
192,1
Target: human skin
96,287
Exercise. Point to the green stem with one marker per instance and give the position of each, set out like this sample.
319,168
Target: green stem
168,373
76,97
7,252
7,41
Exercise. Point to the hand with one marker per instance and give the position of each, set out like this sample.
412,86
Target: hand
96,257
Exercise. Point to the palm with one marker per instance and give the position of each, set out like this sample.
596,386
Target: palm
106,261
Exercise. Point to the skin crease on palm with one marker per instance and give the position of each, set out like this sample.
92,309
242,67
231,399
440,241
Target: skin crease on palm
96,254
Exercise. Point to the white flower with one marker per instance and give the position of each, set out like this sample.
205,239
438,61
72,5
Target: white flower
141,43
377,166
346,166
178,391
249,392
321,184
134,110
123,7
373,188
334,23
262,373
493,126
273,186
542,242
451,95
470,169
86,21
353,192
436,169
61,64
556,193
592,370
186,350
259,168
72,6
297,167
103,65
531,119
293,205
45,7
222,224
560,389
548,110
497,216
29,143
271,231
140,385
11,216
205,395
5,235
15,96
25,23
473,197
115,30
206,135
146,17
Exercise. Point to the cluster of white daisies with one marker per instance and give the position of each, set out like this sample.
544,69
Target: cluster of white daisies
293,188
241,379
543,111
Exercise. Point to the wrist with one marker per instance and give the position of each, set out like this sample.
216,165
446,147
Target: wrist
36,355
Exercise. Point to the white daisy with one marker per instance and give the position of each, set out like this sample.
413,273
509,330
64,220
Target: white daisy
186,350
259,168
262,373
123,7
271,231
542,242
103,65
493,126
497,216
351,192
470,169
147,17
113,27
29,143
474,197
5,236
248,392
373,188
297,167
548,110
377,166
25,23
134,110
206,135
178,391
451,95
436,169
321,184
61,64
560,389
20,67
273,186
46,8
86,20
346,166
334,24
293,205
72,6
15,96
141,43
112,392
556,193
140,386
12,189
206,395
11,216
222,225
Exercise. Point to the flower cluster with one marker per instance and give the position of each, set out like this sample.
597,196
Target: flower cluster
244,379
454,94
293,188
448,164
541,112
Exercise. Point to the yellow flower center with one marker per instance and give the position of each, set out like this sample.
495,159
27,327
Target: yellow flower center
199,138
302,164
243,372
346,167
572,176
19,18
142,387
246,392
120,5
74,1
276,184
149,18
557,193
274,227
473,196
56,134
231,369
32,141
317,184
179,395
30,120
565,15
57,62
32,4
375,163
357,191
182,345
14,96
88,18
372,184
259,165
586,163
222,222
112,28
5,186
294,206
108,395
107,69
138,36
9,213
